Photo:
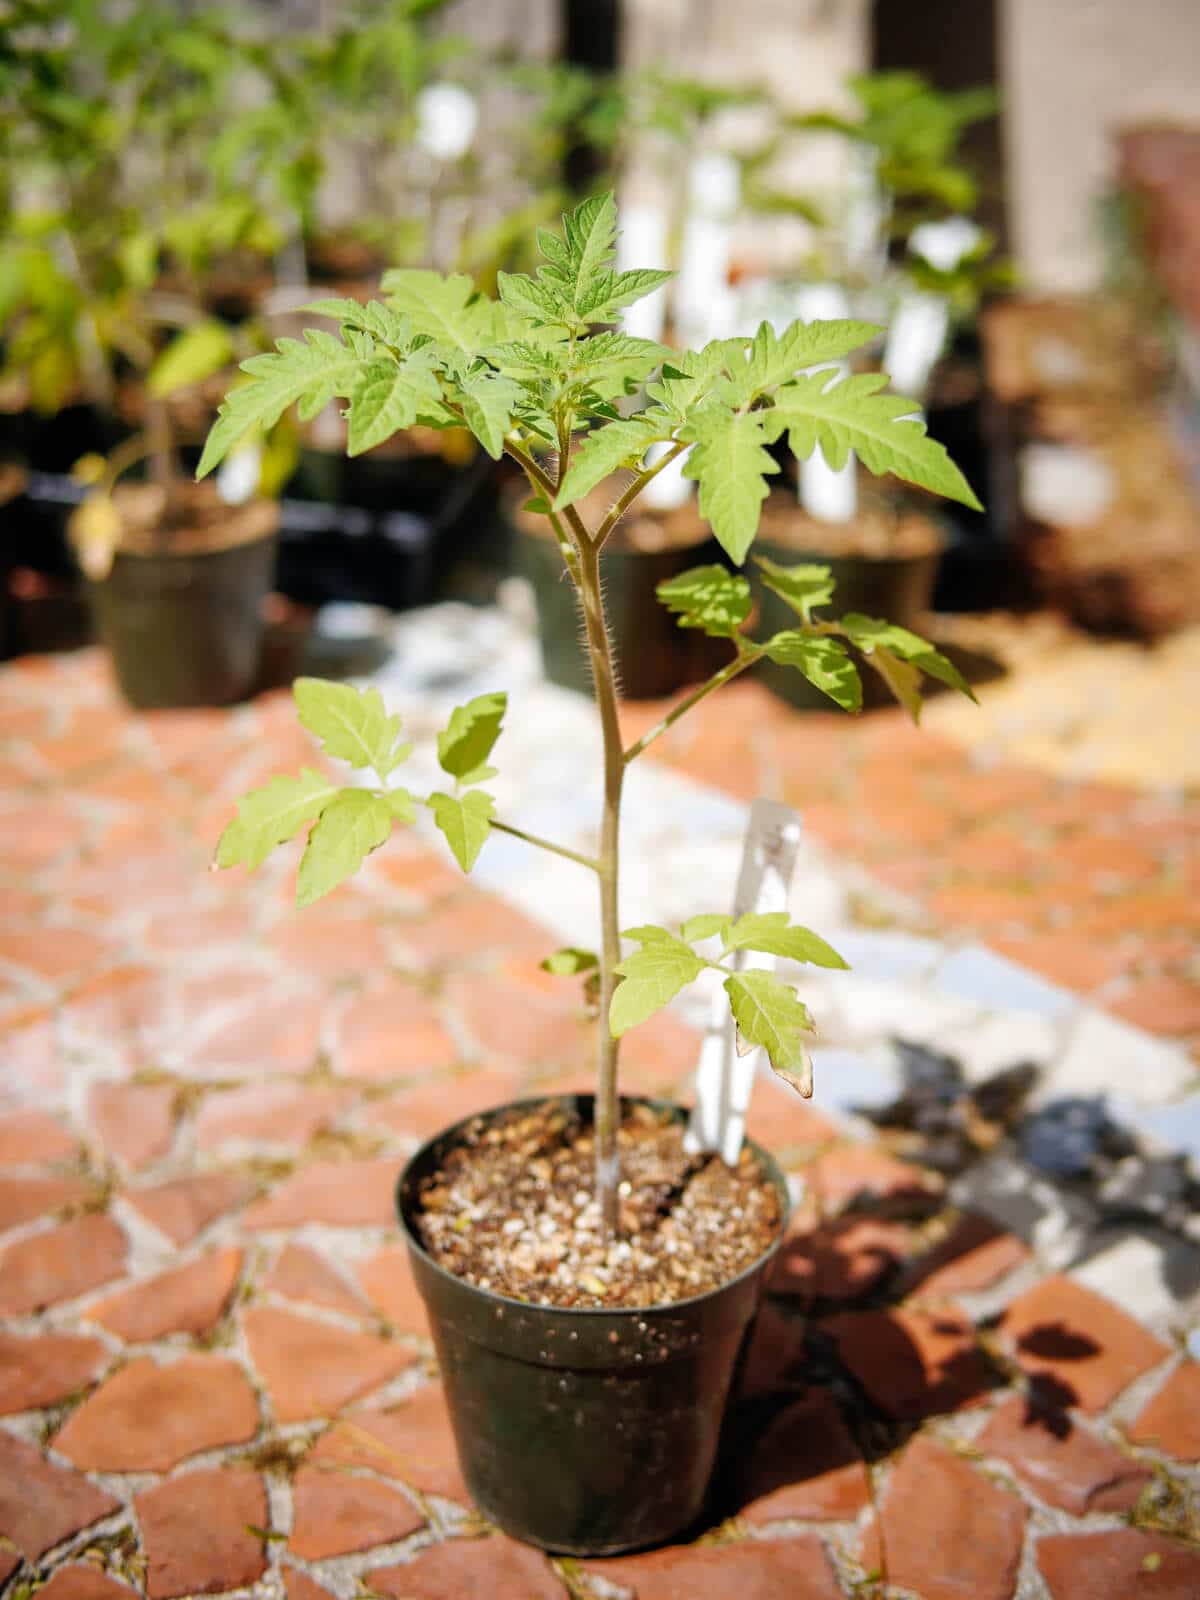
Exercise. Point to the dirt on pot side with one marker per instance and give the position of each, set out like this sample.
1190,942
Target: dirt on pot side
511,1210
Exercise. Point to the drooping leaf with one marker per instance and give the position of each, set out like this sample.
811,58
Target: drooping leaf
271,815
602,452
651,977
354,823
465,821
568,962
768,1014
192,356
804,587
774,935
488,401
387,395
873,634
705,925
823,661
731,466
884,430
470,736
352,724
711,598
776,358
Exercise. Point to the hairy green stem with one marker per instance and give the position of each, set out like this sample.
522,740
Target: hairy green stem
546,844
635,488
745,658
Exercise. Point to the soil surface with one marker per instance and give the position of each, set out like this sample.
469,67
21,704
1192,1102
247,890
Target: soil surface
878,531
204,522
512,1210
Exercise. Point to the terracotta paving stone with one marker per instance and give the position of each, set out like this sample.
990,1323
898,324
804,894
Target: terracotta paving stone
465,926
393,1033
783,1121
298,1585
33,837
186,1299
1161,1005
418,873
123,1000
53,954
659,1056
60,1264
522,1029
1117,1565
1171,1419
275,1113
856,1169
497,1568
775,1358
1078,963
84,1582
344,1194
425,1110
388,1281
281,1035
31,1138
1063,1462
135,1122
42,1502
148,1418
973,1256
24,1199
949,1532
196,1530
840,1260
913,1363
38,1371
339,946
804,1464
302,1274
757,1569
990,908
335,1513
313,1369
1077,1346
184,1207
411,1441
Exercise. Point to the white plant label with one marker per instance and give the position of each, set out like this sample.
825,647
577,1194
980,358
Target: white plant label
703,298
725,1079
829,494
915,340
642,242
447,116
670,489
239,474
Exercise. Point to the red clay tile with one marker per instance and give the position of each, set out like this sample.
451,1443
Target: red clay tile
187,1299
1171,1419
1061,1461
860,1169
411,1441
335,1514
38,1371
973,1256
278,1035
24,1199
1161,1005
1117,1565
42,1503
298,1585
421,877
1070,959
60,1264
344,945
197,1530
54,954
31,1138
343,1194
388,1281
804,1464
32,837
784,1122
128,999
148,1418
990,908
775,1358
84,1582
393,1033
302,1274
430,1107
1078,1347
949,1532
135,1121
276,1113
471,1569
519,1028
914,1363
467,930
313,1369
183,1208
840,1260
756,1569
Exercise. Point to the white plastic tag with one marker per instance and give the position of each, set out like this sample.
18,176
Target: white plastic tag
642,242
702,294
239,474
670,489
447,116
915,340
725,1079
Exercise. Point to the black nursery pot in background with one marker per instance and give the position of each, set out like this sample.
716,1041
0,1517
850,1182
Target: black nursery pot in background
586,1432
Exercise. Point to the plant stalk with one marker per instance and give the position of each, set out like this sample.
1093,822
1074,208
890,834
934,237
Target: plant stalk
746,657
546,844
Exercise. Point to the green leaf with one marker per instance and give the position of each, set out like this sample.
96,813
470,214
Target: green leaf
823,661
192,356
804,587
568,962
618,355
465,823
872,633
775,358
385,323
770,932
768,1014
311,373
401,804
647,933
705,925
388,395
352,724
731,466
603,451
901,677
450,310
591,233
488,401
353,824
651,977
271,815
469,737
613,291
529,298
881,428
711,598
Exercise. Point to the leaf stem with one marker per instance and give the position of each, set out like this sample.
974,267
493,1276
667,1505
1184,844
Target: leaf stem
635,488
746,657
547,844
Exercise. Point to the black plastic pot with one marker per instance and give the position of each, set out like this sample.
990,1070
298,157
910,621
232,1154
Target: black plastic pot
186,630
654,656
586,1432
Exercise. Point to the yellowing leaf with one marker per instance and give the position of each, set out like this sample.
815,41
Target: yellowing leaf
352,724
768,1013
465,822
650,978
354,823
268,816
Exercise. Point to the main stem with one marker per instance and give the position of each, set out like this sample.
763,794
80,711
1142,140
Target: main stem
608,1109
